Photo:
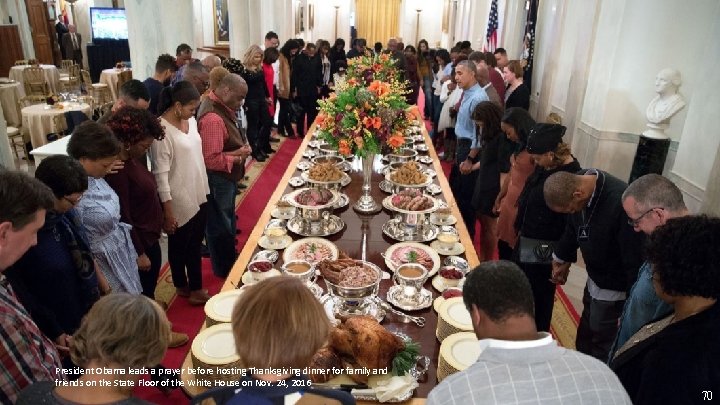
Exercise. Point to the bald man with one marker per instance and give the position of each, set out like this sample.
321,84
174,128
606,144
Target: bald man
225,150
211,62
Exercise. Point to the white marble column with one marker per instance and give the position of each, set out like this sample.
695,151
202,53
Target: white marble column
156,27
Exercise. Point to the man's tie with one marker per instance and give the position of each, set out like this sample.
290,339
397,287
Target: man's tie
74,40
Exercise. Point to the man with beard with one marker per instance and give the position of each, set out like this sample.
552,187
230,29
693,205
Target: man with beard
165,69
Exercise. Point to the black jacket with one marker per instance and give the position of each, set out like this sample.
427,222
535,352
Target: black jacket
520,97
613,250
534,218
678,365
306,76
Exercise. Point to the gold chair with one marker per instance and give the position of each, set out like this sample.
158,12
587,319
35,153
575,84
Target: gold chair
65,65
100,92
72,80
34,79
89,100
105,108
21,62
31,100
123,77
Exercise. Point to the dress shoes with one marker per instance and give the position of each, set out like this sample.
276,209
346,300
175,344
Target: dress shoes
259,157
198,297
269,150
177,339
183,291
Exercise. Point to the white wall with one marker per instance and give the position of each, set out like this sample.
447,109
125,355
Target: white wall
430,21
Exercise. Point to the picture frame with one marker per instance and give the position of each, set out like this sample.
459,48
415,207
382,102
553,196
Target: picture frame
300,19
221,22
311,16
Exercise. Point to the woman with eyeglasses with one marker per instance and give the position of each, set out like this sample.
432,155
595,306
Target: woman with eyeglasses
97,149
56,279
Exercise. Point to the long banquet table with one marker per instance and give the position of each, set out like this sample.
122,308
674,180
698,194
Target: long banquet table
362,238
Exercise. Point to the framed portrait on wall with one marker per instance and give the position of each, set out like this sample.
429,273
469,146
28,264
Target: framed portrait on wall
222,22
300,19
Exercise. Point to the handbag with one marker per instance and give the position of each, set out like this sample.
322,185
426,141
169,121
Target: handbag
535,251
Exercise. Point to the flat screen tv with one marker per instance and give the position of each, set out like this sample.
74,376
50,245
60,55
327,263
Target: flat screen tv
108,24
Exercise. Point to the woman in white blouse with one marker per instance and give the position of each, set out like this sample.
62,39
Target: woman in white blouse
179,169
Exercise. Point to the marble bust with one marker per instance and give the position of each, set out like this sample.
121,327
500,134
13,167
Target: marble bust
666,104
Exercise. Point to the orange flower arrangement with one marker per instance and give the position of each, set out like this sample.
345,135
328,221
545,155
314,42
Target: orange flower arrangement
368,110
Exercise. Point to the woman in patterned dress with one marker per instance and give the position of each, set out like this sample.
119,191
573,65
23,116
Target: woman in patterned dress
96,148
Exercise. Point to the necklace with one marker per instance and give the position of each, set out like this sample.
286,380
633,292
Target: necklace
583,234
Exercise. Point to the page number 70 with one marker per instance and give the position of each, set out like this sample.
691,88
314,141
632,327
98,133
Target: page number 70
707,395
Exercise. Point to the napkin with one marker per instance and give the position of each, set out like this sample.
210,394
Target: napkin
394,387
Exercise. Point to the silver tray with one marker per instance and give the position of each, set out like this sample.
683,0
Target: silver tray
371,308
426,299
424,159
427,232
386,186
304,165
433,189
335,225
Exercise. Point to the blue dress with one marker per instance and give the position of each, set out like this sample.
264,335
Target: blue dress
109,239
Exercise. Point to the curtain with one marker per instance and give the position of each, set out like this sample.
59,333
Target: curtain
377,20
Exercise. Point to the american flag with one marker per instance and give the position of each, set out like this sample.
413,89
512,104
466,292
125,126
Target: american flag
491,36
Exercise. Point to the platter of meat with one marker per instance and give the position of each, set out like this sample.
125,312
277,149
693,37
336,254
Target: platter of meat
411,200
412,252
313,197
312,250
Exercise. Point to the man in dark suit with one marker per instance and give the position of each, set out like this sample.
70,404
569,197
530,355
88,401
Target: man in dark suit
61,30
72,45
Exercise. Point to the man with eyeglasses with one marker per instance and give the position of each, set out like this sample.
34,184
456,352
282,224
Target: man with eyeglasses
611,250
650,201
197,74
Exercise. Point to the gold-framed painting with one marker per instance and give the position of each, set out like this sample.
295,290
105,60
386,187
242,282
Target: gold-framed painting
221,22
300,19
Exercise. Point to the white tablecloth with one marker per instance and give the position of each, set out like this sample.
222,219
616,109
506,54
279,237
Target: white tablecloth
10,93
110,77
38,120
58,147
52,76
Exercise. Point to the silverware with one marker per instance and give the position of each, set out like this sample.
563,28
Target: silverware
417,320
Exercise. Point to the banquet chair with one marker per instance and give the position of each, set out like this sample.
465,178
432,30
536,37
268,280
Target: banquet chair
105,108
34,80
72,80
60,127
21,62
100,92
89,100
123,77
31,100
65,65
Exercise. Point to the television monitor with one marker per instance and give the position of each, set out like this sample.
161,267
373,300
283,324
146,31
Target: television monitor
108,24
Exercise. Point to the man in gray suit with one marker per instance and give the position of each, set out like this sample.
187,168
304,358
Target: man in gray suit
72,44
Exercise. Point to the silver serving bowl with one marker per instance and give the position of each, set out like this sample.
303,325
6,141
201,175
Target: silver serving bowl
357,293
397,187
402,155
312,212
327,150
334,159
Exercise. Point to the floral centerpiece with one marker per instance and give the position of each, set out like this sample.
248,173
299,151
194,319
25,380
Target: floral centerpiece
368,110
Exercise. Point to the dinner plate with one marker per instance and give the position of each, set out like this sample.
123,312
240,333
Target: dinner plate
215,345
457,352
456,249
220,306
438,282
433,255
291,251
247,278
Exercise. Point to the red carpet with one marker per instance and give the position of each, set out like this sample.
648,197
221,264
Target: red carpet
189,319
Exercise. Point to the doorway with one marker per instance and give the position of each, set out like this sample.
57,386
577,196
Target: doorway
40,28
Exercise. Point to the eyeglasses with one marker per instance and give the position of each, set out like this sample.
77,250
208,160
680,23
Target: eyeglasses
73,202
636,222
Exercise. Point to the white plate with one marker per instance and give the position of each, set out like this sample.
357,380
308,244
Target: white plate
425,159
220,306
304,165
215,345
264,243
460,350
454,312
438,302
293,248
451,220
276,213
457,249
247,278
309,154
433,255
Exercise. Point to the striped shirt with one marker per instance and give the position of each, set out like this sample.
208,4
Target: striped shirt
532,372
26,355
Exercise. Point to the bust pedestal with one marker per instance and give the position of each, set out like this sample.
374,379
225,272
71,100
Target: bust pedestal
650,156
